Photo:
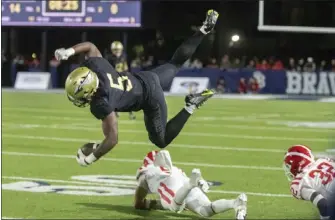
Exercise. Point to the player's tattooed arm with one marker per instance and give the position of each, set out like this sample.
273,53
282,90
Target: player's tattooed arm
110,130
88,48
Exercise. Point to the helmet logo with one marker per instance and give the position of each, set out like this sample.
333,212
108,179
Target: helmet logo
86,80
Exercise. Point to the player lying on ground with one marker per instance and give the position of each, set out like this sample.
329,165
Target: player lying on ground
311,180
177,191
96,83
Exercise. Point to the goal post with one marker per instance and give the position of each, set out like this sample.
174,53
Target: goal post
294,29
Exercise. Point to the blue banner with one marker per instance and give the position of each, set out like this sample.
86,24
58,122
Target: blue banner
271,81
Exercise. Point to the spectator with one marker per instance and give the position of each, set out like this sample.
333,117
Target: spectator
300,65
148,62
251,65
263,66
256,60
309,65
54,62
271,62
34,63
197,64
278,65
323,66
21,63
225,63
291,65
138,50
161,51
333,65
242,88
253,86
237,64
136,63
187,64
212,63
220,86
3,57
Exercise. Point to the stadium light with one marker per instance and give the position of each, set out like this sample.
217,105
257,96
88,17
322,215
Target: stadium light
235,38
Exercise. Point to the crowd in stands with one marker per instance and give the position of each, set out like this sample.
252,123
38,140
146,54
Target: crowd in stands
142,62
300,65
146,57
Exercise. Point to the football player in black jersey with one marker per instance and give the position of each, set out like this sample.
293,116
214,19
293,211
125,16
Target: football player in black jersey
98,84
119,62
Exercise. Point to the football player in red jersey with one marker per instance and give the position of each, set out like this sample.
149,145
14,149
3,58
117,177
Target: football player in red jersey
311,179
177,191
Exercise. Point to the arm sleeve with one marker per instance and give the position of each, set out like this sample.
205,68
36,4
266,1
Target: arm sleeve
318,200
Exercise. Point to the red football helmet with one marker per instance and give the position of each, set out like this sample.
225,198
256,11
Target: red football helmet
296,159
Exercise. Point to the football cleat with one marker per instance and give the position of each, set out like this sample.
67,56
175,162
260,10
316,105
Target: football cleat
209,23
241,207
199,99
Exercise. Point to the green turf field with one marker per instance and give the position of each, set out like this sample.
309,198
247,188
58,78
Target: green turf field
240,143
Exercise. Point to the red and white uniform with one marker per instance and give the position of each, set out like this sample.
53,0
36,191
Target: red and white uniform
318,175
166,183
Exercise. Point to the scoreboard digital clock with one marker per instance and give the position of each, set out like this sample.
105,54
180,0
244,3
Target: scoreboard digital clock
75,13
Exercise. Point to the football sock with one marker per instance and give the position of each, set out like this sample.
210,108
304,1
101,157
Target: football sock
187,49
222,205
175,125
190,108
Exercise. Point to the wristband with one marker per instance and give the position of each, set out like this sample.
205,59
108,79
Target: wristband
70,51
90,158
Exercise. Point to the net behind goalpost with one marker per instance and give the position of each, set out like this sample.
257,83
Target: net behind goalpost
294,29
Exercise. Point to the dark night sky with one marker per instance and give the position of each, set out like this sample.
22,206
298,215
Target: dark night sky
174,19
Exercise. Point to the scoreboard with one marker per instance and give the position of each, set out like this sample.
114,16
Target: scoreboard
71,13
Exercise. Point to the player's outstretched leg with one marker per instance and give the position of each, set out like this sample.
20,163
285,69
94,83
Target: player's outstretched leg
182,193
176,124
203,207
160,132
167,72
187,49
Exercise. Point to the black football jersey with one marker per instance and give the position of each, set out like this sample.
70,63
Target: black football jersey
120,92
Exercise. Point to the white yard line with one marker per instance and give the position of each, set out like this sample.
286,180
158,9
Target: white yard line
2,217
208,147
99,184
205,147
196,119
202,134
191,124
251,193
126,160
58,181
224,112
